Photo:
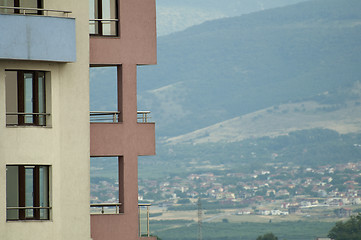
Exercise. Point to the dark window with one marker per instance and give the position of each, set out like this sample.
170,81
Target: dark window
25,98
104,19
21,5
99,200
27,192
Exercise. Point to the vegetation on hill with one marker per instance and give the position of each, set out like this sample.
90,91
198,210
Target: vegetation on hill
311,147
267,236
233,66
298,230
349,230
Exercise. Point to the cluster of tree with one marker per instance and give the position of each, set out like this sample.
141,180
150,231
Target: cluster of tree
267,236
349,230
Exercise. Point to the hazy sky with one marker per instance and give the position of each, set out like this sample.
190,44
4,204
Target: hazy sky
176,15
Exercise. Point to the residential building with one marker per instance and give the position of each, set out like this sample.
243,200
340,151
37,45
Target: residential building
46,138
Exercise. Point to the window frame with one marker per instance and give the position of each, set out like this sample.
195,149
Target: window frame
36,92
98,13
39,4
36,196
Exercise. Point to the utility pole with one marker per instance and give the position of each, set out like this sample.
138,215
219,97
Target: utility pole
199,219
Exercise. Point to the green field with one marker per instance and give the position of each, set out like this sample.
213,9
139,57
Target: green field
297,230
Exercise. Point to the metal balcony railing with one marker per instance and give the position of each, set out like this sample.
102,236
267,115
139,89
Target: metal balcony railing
33,11
105,208
29,213
114,208
143,116
143,214
26,208
113,116
30,114
104,116
35,119
104,27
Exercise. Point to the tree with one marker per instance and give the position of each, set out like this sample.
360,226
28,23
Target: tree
183,201
225,220
267,236
349,230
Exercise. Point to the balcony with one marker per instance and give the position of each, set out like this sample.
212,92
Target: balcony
110,137
143,215
108,223
113,116
49,37
105,208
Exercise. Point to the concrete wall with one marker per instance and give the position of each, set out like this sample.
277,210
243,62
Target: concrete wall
135,45
37,38
108,139
137,42
64,144
128,139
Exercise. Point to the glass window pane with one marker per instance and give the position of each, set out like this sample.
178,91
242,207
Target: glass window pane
7,3
109,11
11,92
29,4
44,191
93,9
12,192
93,14
28,96
29,191
109,28
41,94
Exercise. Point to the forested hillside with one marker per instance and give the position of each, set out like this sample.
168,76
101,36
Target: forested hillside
229,67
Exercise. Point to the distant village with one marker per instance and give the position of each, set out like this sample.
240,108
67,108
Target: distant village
293,188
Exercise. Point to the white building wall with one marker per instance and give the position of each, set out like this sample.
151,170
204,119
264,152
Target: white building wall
64,145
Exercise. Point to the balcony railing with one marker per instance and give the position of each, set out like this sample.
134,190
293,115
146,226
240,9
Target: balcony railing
105,208
29,212
143,213
19,113
143,116
36,119
26,208
113,116
104,116
103,27
34,11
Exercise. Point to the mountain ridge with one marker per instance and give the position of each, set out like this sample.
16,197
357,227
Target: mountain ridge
266,123
229,67
175,15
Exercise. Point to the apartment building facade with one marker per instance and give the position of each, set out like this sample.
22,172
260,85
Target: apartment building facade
46,139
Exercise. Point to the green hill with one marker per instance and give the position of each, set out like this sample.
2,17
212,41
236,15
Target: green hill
230,67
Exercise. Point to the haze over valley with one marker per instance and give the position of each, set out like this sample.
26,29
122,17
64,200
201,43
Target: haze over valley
257,106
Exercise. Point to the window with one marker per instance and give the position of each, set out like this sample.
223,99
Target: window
99,202
27,192
103,15
25,98
21,4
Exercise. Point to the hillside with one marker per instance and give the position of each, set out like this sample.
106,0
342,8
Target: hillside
175,15
339,111
226,68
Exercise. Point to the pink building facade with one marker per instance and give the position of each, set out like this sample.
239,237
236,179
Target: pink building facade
123,36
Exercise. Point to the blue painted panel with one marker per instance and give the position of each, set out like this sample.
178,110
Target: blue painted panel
26,37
